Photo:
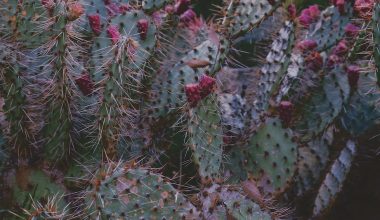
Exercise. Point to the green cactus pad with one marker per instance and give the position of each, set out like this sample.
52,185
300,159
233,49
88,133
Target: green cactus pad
168,90
362,111
270,157
50,209
246,14
225,202
233,113
122,192
62,66
206,137
135,50
22,21
276,66
335,178
31,183
325,104
312,161
330,27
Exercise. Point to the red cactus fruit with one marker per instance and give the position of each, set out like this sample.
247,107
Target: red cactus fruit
353,72
292,11
193,94
341,49
333,60
142,26
309,15
124,7
307,45
351,30
285,110
181,6
169,9
113,33
206,85
314,61
113,9
364,8
85,84
188,16
340,5
75,11
95,25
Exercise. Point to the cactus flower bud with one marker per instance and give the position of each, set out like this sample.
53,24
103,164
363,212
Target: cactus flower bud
193,94
142,26
124,7
309,15
341,49
333,60
169,9
113,33
292,11
206,85
364,8
188,16
353,72
340,5
307,45
113,9
75,11
351,30
95,25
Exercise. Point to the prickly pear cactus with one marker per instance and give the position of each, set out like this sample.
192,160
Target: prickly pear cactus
181,109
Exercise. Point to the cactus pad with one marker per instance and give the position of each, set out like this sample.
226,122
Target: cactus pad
335,178
270,157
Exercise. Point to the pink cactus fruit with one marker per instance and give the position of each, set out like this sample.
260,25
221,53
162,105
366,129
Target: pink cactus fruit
94,21
353,73
333,60
142,26
206,85
188,16
364,8
113,33
340,5
309,15
341,49
124,7
292,11
307,45
193,94
351,30
85,84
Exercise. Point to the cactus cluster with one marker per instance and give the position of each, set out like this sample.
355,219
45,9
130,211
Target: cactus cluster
144,109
